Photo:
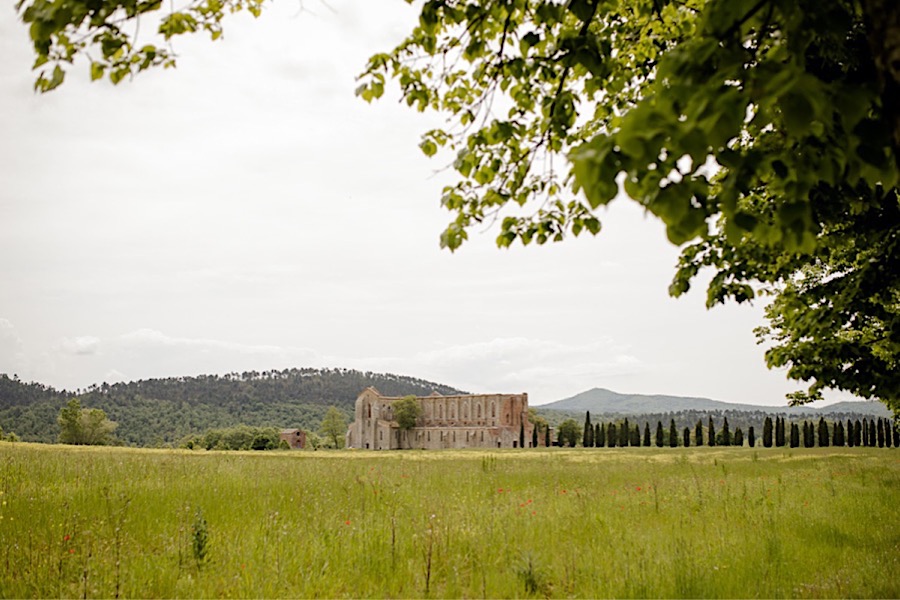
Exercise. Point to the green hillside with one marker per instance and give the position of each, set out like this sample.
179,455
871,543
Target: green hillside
157,412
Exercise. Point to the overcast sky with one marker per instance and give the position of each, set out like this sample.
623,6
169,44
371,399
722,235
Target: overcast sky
246,211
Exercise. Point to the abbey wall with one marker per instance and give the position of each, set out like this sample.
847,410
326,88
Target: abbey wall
470,421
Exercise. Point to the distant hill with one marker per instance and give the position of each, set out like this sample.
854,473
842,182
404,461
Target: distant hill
155,412
602,401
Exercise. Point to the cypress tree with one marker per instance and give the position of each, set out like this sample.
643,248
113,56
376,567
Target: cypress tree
857,433
779,432
838,434
611,436
811,432
534,436
865,433
751,437
687,437
547,436
767,432
880,433
673,434
636,436
599,438
659,434
711,433
850,433
738,437
795,435
726,434
646,434
872,435
896,435
624,432
698,433
823,433
588,438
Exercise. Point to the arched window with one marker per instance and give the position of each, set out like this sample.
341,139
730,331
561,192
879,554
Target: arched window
369,409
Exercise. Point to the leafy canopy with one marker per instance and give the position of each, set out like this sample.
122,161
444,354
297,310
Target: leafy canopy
765,134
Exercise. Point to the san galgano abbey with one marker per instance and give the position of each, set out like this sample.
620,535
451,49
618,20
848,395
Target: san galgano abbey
470,421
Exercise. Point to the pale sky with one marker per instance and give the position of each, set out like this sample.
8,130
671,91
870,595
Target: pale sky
246,211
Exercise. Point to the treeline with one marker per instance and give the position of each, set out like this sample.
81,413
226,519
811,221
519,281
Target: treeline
162,412
876,432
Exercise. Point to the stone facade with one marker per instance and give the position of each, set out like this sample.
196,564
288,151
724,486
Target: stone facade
476,421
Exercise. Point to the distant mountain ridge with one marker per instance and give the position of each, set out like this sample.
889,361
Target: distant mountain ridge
603,401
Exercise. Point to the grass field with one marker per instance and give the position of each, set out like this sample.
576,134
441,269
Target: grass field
636,522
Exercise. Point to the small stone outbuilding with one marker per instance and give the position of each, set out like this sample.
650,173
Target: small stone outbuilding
295,438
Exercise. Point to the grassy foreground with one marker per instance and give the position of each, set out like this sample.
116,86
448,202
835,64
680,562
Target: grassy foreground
698,522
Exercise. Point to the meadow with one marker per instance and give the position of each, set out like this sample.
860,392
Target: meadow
635,522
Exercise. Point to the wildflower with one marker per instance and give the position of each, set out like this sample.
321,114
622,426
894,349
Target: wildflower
66,538
638,488
71,550
347,522
499,490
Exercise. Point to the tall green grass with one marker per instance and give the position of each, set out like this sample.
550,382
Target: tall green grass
698,522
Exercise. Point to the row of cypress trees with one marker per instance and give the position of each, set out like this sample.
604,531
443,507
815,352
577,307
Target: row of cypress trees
869,432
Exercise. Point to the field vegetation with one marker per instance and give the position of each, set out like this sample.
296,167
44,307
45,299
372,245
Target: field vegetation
637,522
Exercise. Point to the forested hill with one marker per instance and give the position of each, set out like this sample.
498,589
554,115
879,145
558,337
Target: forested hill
154,412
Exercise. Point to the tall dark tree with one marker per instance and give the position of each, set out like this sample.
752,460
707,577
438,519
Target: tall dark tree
698,433
600,436
824,440
534,436
767,432
646,434
865,433
880,433
837,437
779,432
850,440
726,433
611,435
896,436
711,433
738,437
795,435
686,437
659,434
809,439
588,440
751,437
873,437
857,434
673,434
547,442
624,433
636,436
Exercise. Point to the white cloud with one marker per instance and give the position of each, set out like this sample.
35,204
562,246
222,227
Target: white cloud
81,346
12,356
